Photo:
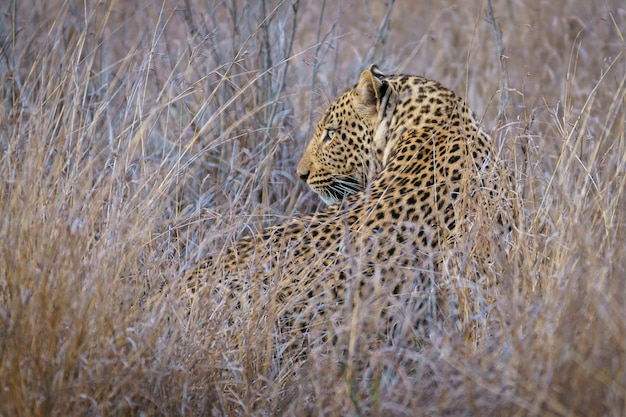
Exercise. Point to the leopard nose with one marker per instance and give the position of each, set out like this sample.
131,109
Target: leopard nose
304,167
303,174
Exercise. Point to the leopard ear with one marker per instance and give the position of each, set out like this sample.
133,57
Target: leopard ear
369,92
376,71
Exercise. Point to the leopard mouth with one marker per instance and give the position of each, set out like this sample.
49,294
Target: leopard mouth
338,189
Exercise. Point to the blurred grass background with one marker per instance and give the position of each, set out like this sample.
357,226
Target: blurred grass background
137,136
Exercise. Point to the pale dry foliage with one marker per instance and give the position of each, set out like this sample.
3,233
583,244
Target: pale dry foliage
136,136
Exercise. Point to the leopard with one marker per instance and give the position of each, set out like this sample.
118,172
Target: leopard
418,204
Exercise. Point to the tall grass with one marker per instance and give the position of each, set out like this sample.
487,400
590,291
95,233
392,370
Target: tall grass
136,137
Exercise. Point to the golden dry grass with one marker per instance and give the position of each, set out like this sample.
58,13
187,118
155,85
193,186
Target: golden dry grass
136,137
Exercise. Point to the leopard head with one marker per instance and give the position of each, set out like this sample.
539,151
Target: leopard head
342,157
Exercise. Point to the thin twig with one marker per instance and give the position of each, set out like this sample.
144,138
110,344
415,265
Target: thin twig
504,81
189,19
381,36
322,46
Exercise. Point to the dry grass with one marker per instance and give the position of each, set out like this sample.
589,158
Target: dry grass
134,138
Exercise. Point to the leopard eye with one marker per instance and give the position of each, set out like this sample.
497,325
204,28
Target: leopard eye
329,135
